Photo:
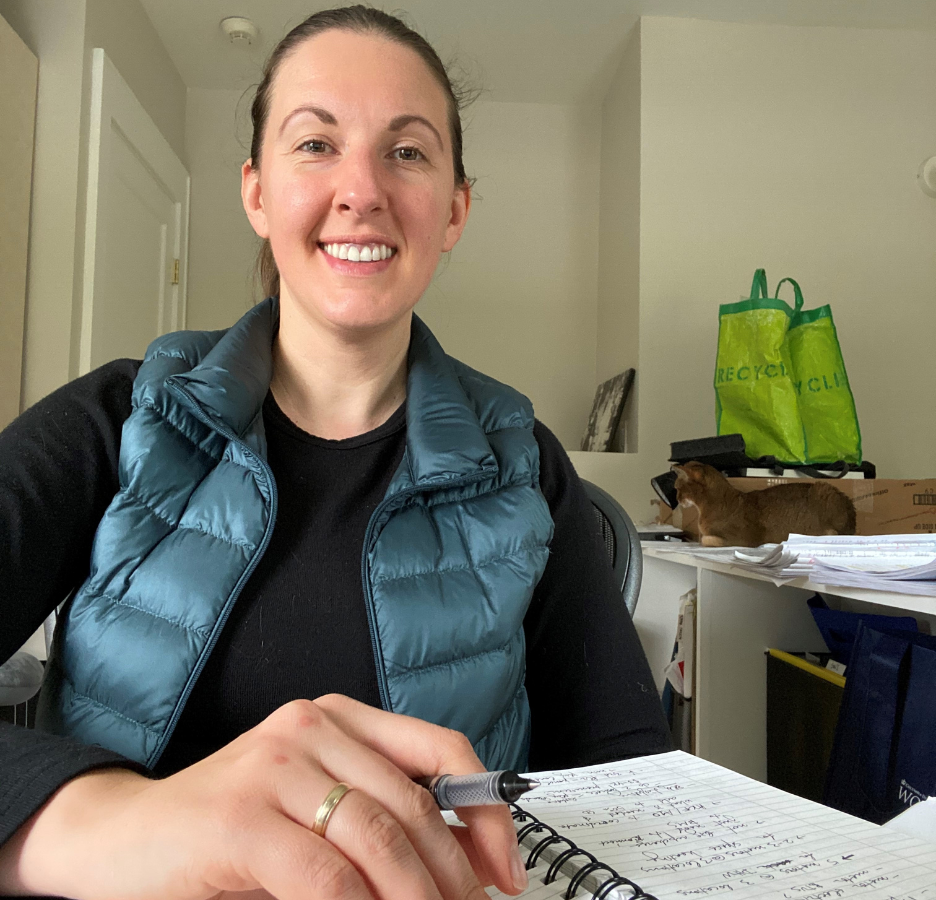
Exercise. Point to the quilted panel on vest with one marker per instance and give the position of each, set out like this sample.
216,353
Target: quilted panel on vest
507,744
191,514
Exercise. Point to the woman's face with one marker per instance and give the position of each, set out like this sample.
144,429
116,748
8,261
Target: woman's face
356,162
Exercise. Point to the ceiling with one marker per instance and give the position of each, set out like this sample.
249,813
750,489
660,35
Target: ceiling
534,51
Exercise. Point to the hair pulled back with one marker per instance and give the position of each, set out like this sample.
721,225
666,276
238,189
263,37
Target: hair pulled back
360,20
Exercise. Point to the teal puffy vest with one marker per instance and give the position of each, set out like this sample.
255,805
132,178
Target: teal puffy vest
450,558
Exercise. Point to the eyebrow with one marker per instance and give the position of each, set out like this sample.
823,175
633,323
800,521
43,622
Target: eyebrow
400,122
322,114
396,124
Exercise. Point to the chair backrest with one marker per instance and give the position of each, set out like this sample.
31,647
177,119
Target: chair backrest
21,676
621,541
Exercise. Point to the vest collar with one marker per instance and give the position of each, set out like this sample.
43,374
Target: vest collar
231,381
445,441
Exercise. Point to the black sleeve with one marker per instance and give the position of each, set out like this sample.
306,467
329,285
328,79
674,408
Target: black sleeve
592,696
58,472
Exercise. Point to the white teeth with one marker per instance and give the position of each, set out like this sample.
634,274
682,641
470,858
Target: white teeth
359,252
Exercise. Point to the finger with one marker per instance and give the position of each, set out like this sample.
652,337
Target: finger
411,806
422,748
372,838
463,835
291,863
259,894
495,841
362,830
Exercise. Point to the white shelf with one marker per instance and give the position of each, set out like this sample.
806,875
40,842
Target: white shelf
739,615
902,602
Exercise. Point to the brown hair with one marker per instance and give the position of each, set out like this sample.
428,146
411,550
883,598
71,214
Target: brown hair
361,20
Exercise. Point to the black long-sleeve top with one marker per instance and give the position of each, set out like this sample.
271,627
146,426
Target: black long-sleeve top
299,628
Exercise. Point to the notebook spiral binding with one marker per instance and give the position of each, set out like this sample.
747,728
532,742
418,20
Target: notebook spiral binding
588,871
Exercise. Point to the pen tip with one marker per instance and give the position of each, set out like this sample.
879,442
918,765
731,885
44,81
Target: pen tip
532,784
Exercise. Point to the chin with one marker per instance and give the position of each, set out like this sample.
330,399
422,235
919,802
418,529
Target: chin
356,317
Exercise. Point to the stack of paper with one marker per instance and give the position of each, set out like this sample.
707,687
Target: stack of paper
901,563
773,560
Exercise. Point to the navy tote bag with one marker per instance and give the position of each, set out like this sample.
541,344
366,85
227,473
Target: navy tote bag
884,755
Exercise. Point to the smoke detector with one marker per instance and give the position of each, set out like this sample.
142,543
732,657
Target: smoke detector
926,176
240,32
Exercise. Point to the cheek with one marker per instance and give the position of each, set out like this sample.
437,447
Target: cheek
296,203
429,215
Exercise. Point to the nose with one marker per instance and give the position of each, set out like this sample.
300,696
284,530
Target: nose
360,187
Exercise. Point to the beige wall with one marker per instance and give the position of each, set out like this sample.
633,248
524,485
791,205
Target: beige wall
795,149
719,148
60,35
619,244
55,33
516,298
128,37
222,245
19,73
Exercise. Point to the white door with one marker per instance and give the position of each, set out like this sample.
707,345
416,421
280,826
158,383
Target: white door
136,232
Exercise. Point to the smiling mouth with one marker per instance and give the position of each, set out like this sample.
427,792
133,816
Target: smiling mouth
359,252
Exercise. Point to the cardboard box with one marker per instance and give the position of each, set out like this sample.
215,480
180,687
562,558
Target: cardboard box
882,505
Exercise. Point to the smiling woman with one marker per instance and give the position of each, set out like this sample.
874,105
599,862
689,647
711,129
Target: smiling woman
361,21
326,555
352,153
357,186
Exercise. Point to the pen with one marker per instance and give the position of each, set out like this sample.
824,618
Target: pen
482,789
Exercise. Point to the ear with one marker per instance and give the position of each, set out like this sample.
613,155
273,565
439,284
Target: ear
461,204
252,198
696,471
681,476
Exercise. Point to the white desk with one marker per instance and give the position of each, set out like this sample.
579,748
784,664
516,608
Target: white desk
738,616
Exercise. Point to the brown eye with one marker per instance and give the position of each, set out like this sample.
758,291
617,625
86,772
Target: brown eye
314,146
408,154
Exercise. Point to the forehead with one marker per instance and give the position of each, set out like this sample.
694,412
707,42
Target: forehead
350,73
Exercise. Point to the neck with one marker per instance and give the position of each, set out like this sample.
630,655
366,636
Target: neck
730,496
335,385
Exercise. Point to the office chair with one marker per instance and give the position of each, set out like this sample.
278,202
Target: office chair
21,678
621,541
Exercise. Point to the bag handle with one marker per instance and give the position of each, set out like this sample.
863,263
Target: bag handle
796,291
759,286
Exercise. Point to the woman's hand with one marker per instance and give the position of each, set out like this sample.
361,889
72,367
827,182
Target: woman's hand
241,820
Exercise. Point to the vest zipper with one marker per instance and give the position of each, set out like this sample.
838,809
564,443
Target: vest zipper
365,574
254,562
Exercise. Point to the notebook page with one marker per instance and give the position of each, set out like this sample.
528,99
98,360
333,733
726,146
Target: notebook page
681,827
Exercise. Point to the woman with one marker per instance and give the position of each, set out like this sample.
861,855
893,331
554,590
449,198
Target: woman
394,476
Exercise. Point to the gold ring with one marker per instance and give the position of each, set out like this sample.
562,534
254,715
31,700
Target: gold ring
328,807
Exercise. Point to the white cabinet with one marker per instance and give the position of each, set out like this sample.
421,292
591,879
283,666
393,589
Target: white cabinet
738,617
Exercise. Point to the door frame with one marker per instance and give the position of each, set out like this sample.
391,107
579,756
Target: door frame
113,103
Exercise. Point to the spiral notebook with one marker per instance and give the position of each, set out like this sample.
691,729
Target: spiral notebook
675,826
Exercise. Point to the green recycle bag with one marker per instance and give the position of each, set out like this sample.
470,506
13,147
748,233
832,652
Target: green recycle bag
780,380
